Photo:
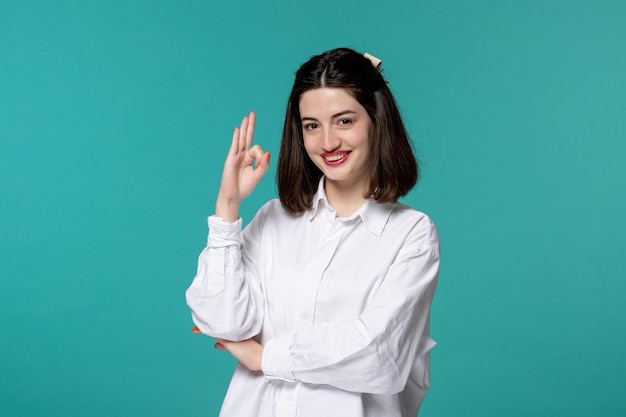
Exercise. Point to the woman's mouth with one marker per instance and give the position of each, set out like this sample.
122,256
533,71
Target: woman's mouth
335,158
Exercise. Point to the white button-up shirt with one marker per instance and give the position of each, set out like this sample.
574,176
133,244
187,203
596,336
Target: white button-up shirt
341,306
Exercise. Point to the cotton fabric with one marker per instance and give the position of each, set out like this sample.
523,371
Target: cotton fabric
341,306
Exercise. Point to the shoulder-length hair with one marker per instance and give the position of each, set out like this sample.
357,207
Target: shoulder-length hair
393,168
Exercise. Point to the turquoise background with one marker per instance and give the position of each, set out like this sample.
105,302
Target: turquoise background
115,118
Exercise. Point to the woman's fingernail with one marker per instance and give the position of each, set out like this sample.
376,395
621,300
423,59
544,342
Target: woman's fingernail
195,330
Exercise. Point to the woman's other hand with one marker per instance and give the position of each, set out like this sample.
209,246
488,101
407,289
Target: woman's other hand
244,167
248,352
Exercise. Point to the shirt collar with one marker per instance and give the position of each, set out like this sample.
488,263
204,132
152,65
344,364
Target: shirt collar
373,215
320,196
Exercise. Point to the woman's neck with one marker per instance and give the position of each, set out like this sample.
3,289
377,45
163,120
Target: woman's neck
344,198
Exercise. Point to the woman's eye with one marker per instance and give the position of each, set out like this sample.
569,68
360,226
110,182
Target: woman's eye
345,122
310,126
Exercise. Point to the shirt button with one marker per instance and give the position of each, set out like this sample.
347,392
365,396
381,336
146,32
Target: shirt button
313,274
304,315
289,397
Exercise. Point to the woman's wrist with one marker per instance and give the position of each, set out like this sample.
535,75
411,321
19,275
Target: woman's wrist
227,209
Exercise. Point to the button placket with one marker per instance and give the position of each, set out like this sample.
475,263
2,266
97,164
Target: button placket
318,264
288,399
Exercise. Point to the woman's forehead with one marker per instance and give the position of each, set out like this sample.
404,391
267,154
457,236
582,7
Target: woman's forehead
326,102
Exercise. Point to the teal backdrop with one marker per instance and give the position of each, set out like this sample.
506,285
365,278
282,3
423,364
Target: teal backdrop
115,117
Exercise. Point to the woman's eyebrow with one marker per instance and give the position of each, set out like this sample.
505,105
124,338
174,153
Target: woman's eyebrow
334,116
342,113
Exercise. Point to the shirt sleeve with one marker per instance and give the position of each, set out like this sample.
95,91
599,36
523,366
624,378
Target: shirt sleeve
225,297
376,352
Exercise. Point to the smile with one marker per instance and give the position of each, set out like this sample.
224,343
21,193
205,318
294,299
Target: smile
335,158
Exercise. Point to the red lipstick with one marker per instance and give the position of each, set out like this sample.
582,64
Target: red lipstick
335,158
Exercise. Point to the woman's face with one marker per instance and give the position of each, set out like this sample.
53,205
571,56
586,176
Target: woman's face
336,131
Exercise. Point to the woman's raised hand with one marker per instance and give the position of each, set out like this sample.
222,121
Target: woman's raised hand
244,167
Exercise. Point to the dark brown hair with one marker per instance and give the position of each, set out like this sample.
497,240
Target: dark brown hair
393,168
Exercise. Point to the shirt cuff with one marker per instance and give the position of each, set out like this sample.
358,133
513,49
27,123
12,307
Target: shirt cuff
275,362
222,233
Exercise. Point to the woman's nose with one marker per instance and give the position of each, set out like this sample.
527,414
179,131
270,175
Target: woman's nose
330,141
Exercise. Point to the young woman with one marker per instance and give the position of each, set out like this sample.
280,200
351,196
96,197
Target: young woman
324,298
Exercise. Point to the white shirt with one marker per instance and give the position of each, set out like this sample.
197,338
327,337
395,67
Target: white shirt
341,305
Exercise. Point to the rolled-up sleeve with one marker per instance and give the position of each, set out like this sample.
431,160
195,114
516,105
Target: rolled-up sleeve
225,297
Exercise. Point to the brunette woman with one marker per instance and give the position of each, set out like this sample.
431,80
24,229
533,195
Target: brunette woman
324,298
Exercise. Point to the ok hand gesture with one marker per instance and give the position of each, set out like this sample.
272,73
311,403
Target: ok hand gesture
243,169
